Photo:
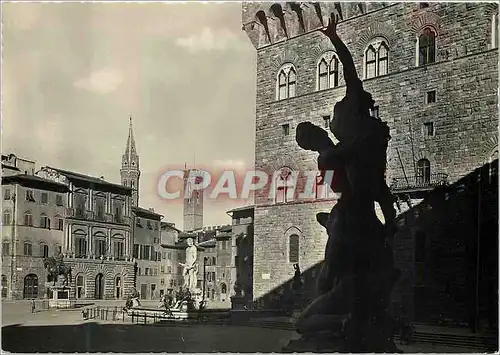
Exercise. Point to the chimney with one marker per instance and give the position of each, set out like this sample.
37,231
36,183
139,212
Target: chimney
151,210
102,178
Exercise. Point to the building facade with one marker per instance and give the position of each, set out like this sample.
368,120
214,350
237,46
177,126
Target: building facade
147,252
97,237
242,253
171,254
434,86
32,228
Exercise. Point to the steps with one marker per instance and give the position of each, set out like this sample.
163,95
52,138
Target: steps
484,343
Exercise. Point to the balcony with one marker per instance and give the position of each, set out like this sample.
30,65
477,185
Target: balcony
418,184
100,217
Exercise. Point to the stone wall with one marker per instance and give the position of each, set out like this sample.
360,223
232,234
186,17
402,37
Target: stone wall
87,268
464,76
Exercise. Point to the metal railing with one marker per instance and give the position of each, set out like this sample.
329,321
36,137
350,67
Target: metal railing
419,182
104,313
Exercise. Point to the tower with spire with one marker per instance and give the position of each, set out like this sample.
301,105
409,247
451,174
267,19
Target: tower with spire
130,172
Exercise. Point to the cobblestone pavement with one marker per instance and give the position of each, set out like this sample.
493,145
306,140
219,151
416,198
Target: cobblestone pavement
64,331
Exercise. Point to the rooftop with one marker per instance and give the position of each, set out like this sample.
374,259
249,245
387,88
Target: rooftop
89,179
146,212
243,208
35,182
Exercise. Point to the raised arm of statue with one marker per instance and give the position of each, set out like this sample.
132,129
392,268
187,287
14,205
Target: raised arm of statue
353,83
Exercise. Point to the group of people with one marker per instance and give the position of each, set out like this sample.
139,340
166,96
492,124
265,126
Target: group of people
172,300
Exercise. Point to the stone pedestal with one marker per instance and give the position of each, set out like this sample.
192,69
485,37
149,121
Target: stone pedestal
61,297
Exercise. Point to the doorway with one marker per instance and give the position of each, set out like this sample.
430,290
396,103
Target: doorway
30,286
144,291
99,287
118,288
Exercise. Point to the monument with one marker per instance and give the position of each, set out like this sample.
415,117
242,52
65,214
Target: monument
350,313
59,283
192,295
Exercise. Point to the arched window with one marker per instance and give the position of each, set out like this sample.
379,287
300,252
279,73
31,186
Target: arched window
44,251
284,186
328,71
293,248
287,82
80,286
383,59
376,58
371,62
44,221
223,288
282,85
28,249
292,82
427,46
423,172
28,219
7,217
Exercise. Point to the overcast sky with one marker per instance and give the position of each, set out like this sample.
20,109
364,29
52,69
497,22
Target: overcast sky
73,73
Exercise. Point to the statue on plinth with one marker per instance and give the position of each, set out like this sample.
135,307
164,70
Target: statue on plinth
358,274
55,267
297,279
132,299
190,266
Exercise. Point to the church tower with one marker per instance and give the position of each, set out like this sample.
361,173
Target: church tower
130,172
193,205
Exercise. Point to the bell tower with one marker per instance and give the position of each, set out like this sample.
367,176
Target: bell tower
193,202
130,172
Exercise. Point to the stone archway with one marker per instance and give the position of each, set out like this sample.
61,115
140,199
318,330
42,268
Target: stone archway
99,287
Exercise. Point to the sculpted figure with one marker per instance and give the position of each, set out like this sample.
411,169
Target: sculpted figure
357,277
55,266
191,266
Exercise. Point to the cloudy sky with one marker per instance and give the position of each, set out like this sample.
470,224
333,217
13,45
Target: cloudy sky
73,73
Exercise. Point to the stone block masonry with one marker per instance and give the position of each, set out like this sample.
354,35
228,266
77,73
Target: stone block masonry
464,77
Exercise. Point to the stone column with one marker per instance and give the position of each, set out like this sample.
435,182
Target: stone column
89,241
108,242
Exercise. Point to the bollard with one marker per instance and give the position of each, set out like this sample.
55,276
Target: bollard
145,320
133,316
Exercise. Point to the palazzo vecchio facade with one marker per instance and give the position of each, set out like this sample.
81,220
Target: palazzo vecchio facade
432,69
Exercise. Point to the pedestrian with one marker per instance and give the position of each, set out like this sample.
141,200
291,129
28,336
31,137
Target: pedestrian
33,305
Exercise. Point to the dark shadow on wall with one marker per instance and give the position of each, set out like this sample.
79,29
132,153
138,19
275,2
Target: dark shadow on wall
447,250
